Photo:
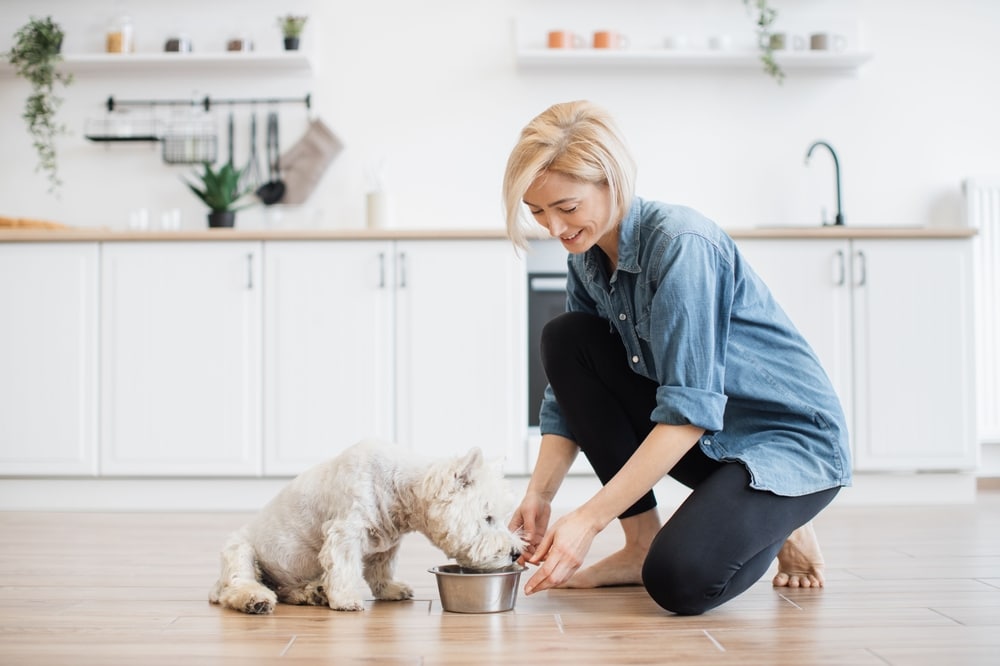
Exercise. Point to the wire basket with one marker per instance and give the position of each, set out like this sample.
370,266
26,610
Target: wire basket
191,141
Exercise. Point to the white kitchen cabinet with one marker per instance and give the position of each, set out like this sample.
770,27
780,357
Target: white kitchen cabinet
891,321
416,341
48,358
180,358
460,327
329,361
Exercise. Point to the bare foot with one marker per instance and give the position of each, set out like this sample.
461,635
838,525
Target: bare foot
621,568
800,562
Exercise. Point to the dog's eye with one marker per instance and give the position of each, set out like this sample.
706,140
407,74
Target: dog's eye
489,520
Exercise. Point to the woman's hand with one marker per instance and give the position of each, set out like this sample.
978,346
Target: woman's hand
532,519
562,551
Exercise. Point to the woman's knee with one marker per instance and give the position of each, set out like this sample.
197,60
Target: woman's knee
680,583
564,335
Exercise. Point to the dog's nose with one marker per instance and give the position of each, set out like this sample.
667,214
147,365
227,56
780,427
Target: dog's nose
514,554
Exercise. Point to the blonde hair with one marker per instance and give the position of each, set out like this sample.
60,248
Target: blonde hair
577,139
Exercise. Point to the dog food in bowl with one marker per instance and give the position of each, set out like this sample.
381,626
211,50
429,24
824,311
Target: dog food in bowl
477,591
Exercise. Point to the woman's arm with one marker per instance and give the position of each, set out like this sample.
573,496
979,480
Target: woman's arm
555,456
565,546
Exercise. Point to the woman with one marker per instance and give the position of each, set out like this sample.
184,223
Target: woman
672,358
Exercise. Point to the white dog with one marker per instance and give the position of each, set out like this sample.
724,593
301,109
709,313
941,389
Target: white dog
338,526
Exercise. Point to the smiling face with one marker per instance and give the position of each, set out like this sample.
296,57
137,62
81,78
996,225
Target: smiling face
576,212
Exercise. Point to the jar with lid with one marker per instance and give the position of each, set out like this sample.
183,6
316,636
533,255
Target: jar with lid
120,36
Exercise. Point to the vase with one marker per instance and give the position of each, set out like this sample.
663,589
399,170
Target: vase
219,219
291,43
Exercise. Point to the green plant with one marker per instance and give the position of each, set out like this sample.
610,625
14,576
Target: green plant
291,25
220,190
764,17
34,55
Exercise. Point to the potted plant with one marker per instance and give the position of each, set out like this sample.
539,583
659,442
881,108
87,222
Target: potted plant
220,191
34,54
764,17
291,29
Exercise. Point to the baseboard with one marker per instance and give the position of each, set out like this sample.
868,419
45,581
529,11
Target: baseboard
249,494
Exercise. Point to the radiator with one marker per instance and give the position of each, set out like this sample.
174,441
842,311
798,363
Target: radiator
982,208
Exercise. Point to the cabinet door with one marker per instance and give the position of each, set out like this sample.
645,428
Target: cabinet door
913,344
810,280
48,358
181,358
328,356
461,373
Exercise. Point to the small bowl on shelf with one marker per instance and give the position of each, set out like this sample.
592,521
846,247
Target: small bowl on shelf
475,590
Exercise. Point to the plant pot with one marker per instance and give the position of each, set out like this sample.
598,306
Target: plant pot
291,43
219,219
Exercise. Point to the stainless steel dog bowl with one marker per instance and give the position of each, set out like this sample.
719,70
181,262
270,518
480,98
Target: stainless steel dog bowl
476,591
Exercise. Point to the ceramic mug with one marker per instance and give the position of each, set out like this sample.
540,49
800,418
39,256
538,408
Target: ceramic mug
609,39
827,41
564,39
782,40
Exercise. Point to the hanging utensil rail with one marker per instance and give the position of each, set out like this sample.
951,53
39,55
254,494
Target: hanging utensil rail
207,102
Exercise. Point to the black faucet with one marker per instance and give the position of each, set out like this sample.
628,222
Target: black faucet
839,220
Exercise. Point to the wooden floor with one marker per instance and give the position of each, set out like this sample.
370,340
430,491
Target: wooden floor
912,585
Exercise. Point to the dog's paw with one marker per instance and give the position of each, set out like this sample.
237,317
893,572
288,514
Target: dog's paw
259,607
394,591
347,604
249,597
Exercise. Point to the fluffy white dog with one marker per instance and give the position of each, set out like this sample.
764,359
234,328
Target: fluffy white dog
338,526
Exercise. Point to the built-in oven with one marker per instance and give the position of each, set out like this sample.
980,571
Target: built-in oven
546,264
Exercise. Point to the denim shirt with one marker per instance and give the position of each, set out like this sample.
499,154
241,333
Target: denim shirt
697,320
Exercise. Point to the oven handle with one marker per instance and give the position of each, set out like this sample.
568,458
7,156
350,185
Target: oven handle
547,283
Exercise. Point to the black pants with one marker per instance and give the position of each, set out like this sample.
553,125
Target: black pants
725,535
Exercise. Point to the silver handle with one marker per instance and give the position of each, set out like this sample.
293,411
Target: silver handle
840,268
381,270
249,271
401,265
547,284
863,269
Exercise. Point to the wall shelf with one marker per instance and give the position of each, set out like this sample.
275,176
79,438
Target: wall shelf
541,58
220,62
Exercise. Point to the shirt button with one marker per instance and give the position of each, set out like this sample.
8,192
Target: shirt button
622,317
635,359
708,442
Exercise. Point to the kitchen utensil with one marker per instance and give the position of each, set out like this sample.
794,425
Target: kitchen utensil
251,173
229,135
272,191
474,591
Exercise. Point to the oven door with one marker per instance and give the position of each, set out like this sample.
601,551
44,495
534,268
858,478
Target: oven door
546,299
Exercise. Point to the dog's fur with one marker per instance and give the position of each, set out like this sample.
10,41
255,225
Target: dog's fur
338,525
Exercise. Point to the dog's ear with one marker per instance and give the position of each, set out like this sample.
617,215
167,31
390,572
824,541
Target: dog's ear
465,468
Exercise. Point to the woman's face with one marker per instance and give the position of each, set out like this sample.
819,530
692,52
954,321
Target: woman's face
575,212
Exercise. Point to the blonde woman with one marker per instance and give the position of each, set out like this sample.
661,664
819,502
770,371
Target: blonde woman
672,359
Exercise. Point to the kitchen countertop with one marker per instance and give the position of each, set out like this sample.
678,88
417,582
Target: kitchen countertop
776,232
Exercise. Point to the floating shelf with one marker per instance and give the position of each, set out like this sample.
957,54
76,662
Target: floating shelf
224,61
847,61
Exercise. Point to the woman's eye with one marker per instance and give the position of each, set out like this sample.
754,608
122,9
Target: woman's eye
568,210
535,212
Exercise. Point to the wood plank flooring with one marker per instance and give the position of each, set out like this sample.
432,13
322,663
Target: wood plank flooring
905,585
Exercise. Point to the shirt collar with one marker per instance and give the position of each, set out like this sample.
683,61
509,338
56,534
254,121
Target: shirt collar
628,246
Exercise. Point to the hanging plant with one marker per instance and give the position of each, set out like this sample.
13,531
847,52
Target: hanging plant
34,55
764,16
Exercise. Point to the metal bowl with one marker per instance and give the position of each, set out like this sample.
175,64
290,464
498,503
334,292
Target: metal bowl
476,591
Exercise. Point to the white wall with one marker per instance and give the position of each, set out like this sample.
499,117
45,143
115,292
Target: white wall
432,89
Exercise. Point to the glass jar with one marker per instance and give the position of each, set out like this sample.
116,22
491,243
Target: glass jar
120,37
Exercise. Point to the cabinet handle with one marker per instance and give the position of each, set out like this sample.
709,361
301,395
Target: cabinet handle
401,265
862,268
381,270
249,271
840,267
